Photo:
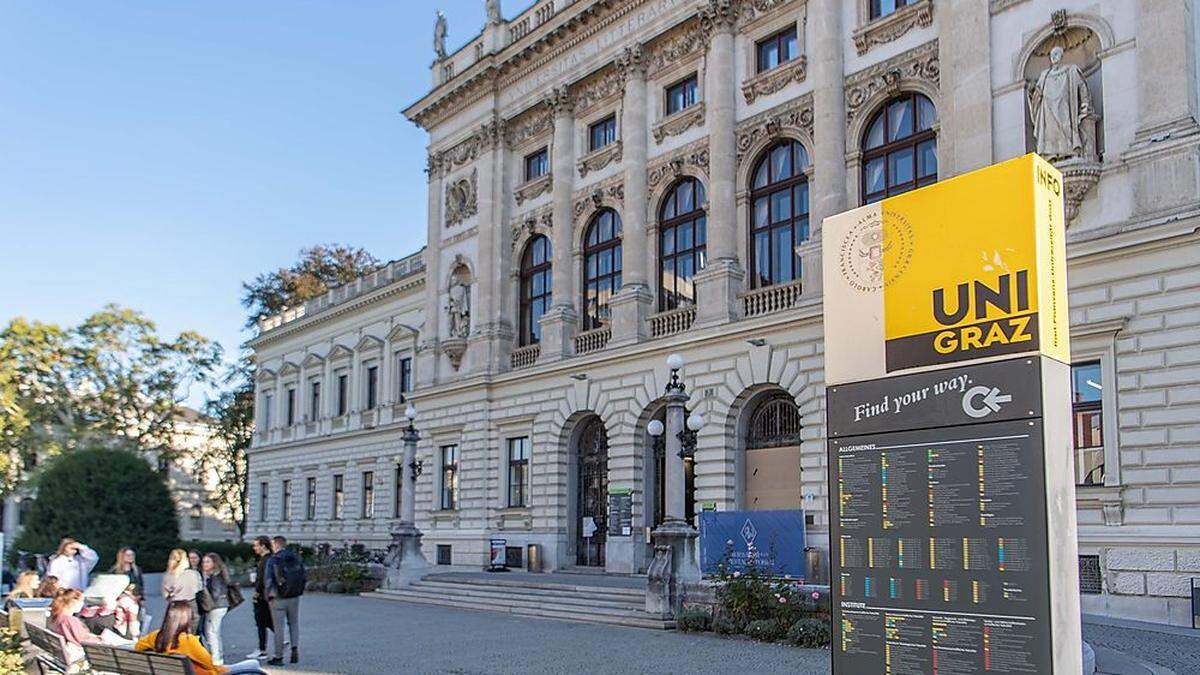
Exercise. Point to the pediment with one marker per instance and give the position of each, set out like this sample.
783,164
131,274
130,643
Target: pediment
367,343
339,352
313,360
289,368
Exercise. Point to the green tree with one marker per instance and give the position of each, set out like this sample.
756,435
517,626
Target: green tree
319,268
225,452
107,499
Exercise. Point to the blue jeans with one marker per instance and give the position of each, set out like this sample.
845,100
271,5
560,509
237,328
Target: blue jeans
212,632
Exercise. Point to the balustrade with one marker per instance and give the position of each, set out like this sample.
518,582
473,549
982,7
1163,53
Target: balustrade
771,299
593,340
672,321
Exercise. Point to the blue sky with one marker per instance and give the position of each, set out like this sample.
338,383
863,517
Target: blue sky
156,153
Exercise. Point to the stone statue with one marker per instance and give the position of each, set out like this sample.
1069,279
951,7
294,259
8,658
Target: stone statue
1058,105
493,11
439,36
458,306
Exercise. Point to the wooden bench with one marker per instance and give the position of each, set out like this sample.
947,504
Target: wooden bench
121,661
52,649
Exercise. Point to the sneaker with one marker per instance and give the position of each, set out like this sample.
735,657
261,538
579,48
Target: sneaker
295,655
257,654
275,662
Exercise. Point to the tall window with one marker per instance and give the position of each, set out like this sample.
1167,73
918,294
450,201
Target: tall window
601,267
518,470
777,49
682,234
262,501
310,500
681,95
537,164
343,394
372,387
1087,422
602,133
339,497
449,477
314,400
368,494
404,370
899,148
779,214
535,288
285,512
196,517
268,403
290,399
881,8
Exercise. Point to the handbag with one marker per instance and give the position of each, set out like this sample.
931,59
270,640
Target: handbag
235,596
204,600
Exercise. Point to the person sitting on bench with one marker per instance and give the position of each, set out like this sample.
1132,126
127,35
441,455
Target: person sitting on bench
174,638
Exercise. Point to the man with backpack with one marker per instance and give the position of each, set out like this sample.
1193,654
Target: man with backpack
284,579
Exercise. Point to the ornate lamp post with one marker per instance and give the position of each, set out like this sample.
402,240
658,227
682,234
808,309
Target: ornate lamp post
405,561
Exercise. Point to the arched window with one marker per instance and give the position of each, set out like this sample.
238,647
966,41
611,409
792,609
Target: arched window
779,214
601,267
775,424
899,148
682,233
535,289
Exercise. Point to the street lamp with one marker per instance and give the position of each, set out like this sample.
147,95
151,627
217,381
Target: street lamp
407,563
410,439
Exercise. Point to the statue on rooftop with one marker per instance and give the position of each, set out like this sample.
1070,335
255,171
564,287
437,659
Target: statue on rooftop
493,11
439,36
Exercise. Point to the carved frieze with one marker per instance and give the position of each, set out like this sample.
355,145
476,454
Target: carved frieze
539,221
534,188
917,64
594,161
486,137
461,201
559,100
595,198
880,31
753,9
765,84
719,15
534,123
797,114
632,62
674,48
598,89
679,122
693,155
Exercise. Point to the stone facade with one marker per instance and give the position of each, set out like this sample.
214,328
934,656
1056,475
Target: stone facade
543,81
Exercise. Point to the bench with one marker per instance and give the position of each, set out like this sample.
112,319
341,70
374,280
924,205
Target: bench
52,649
121,661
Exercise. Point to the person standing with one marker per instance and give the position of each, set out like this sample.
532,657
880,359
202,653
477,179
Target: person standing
216,581
284,584
127,564
181,583
262,608
72,564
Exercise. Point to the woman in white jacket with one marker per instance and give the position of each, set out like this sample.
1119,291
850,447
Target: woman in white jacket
72,564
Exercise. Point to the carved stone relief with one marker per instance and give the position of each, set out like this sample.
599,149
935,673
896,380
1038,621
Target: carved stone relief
529,125
535,222
461,201
534,188
920,63
797,114
675,47
679,122
873,32
595,198
594,161
695,155
765,84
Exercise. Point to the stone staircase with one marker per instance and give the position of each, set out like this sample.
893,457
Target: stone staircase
550,596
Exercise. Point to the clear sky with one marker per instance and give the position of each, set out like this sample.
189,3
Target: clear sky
156,153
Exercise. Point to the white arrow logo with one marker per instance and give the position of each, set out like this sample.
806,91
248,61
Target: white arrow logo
991,396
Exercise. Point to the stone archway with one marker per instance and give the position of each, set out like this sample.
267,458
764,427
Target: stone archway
590,492
768,447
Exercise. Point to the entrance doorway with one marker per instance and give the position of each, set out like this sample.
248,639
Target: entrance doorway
772,463
591,495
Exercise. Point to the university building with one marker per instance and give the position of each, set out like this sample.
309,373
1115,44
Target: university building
614,181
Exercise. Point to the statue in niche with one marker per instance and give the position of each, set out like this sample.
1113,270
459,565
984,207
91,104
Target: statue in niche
439,36
493,11
458,306
1059,105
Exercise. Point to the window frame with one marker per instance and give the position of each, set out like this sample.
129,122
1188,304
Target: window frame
1087,407
263,501
607,126
697,220
875,8
310,498
404,373
518,472
542,154
689,98
780,41
371,385
528,334
790,184
268,405
314,398
290,405
614,276
367,497
285,504
912,142
448,500
343,393
339,496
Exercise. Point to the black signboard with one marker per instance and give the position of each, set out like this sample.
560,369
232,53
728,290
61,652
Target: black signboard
937,536
620,513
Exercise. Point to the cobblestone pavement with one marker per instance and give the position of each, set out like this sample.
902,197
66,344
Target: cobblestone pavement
1171,648
346,634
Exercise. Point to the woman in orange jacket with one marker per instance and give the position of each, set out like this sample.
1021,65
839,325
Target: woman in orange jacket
174,638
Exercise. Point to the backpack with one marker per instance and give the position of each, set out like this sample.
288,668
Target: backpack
290,576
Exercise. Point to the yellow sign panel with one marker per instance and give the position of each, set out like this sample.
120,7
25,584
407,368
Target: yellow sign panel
968,268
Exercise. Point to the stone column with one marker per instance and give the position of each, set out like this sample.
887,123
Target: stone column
561,320
829,114
482,342
1166,58
426,358
406,562
632,305
965,143
720,282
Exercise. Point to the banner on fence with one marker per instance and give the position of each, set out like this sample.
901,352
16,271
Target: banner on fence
774,540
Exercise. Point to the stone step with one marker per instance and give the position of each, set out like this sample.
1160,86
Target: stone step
484,592
623,591
629,618
637,598
515,601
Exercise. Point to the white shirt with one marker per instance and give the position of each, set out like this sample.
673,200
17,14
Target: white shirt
73,572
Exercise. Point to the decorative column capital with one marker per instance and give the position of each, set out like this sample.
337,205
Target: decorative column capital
719,16
560,102
631,64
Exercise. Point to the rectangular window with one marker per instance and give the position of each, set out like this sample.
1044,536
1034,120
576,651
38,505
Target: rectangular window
1089,575
285,510
372,387
397,491
443,554
291,406
881,8
537,164
1087,417
404,375
339,497
310,500
449,477
343,394
262,501
681,95
776,50
314,400
368,494
602,133
268,410
518,470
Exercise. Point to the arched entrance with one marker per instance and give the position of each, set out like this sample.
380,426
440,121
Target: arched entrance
591,493
771,468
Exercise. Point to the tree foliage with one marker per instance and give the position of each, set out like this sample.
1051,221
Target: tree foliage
105,498
110,381
225,452
319,268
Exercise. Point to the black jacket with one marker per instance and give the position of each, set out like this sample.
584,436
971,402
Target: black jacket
218,589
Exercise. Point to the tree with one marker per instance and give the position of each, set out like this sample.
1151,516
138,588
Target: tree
107,499
319,268
111,381
225,452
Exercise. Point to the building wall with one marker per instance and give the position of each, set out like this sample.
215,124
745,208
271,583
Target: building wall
541,78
